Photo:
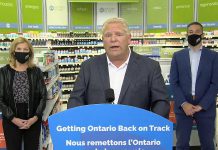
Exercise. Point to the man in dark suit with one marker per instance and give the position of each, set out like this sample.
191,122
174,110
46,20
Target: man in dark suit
136,79
194,81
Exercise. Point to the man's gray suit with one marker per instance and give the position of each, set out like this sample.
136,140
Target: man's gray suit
143,84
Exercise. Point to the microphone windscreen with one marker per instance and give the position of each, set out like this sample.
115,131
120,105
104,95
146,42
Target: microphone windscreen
109,95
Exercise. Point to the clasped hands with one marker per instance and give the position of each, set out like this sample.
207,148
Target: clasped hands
24,124
190,109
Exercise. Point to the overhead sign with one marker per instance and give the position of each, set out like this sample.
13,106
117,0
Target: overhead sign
130,11
57,15
182,8
82,17
32,8
207,14
104,12
88,1
157,15
8,17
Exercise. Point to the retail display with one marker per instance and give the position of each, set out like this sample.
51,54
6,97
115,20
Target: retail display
46,60
60,55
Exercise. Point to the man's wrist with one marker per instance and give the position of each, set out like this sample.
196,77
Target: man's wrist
183,104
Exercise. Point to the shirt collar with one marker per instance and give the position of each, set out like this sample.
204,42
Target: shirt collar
196,51
125,63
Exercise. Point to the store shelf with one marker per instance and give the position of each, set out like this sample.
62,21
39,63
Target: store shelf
210,45
87,38
66,81
64,100
68,54
165,60
164,37
4,47
73,46
159,45
53,80
48,67
68,72
50,105
210,36
67,89
69,63
137,38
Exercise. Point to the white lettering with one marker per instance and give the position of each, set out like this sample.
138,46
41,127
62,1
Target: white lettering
157,7
123,128
105,143
154,128
209,4
143,142
100,128
31,6
182,6
143,128
75,143
6,4
71,129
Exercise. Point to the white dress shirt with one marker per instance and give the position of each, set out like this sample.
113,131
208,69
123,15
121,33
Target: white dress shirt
194,62
116,76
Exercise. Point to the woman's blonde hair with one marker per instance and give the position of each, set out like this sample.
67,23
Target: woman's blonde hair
116,20
12,59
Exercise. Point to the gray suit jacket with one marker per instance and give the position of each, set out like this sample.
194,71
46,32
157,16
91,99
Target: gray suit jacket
143,84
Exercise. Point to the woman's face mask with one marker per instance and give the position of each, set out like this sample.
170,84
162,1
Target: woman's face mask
21,57
22,53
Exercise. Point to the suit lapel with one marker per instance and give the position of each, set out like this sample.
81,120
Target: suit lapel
103,70
203,60
187,63
130,75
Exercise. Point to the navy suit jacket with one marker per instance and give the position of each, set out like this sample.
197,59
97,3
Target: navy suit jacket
206,83
142,87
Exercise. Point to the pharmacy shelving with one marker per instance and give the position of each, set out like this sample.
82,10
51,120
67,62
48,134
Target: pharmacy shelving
83,46
47,62
73,48
50,105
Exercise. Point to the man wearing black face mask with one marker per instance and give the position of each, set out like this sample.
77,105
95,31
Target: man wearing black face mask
194,81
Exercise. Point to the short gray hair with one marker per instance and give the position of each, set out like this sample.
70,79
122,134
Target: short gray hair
116,20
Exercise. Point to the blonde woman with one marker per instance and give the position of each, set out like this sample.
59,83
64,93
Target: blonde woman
22,97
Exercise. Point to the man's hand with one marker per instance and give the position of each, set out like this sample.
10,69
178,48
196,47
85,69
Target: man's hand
189,109
197,108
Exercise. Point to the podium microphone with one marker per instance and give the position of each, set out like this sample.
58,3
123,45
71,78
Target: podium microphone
109,95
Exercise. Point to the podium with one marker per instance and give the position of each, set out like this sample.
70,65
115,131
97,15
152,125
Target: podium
110,127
